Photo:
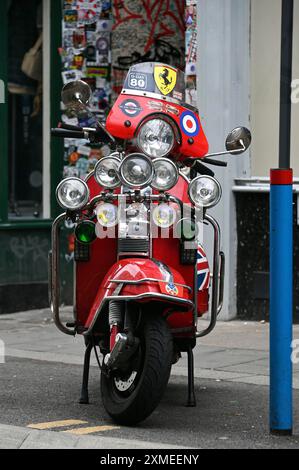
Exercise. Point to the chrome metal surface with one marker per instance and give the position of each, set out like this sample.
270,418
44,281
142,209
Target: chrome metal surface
232,152
239,139
216,275
124,385
55,277
186,303
86,199
120,345
221,283
76,92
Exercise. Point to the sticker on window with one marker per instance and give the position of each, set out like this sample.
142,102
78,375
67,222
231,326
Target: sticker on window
137,81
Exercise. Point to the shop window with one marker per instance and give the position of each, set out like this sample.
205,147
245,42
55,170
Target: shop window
25,116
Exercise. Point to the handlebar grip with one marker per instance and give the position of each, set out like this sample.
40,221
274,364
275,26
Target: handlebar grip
67,134
69,127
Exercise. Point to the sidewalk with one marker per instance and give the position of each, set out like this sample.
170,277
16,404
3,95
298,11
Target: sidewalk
231,374
235,351
15,437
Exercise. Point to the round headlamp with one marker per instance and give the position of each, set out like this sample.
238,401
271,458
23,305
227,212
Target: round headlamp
205,191
72,194
106,172
164,216
166,174
107,214
136,171
156,138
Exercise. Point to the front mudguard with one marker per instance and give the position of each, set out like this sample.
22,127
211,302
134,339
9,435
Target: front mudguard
143,281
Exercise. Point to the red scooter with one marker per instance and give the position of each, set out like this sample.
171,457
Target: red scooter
142,277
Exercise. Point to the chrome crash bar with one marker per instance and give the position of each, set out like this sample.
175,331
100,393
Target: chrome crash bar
54,271
217,278
54,256
54,281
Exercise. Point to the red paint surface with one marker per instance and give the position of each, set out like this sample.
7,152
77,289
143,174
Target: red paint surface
279,177
94,276
116,124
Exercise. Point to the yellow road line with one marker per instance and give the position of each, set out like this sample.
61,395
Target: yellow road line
56,424
90,430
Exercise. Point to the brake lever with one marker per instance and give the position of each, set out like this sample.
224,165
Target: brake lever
202,169
96,135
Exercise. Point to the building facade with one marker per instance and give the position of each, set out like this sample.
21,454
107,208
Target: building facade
239,84
232,46
65,39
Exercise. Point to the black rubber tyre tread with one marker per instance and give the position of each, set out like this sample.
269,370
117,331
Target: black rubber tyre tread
153,381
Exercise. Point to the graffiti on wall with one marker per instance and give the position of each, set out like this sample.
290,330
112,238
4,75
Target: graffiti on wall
103,39
191,51
146,30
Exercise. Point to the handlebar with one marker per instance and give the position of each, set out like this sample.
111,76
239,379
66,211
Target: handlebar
197,165
94,135
67,134
69,127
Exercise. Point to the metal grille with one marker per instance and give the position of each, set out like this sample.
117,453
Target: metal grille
82,252
128,245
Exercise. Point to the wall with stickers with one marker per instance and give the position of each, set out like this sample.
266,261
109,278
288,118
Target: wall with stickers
102,39
86,55
191,51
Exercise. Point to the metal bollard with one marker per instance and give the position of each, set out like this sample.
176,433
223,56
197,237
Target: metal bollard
281,301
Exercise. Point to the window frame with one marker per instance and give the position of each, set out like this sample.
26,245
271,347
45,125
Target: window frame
56,145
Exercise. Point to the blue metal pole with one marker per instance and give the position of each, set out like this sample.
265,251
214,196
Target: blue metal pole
281,301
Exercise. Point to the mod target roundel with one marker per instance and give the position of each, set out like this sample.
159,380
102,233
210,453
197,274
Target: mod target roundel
190,124
131,108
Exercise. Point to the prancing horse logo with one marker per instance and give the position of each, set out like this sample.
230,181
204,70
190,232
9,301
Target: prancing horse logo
165,78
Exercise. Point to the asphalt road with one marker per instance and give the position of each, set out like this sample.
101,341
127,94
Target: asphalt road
228,415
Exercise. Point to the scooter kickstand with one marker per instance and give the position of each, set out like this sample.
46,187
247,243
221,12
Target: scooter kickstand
84,399
191,392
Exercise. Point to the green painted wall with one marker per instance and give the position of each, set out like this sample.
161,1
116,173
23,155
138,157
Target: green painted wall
25,244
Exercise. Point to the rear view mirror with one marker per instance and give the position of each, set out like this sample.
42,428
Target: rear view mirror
76,93
238,140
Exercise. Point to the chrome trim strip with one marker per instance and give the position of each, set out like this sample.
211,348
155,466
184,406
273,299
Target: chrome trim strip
150,295
221,286
139,281
216,278
185,177
134,254
167,99
89,176
195,313
55,277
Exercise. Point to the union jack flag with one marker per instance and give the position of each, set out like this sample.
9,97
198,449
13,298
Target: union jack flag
203,270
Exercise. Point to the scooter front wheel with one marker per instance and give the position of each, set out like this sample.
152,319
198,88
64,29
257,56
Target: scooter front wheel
132,396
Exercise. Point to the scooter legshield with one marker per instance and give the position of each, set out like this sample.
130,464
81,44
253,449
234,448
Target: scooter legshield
141,280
